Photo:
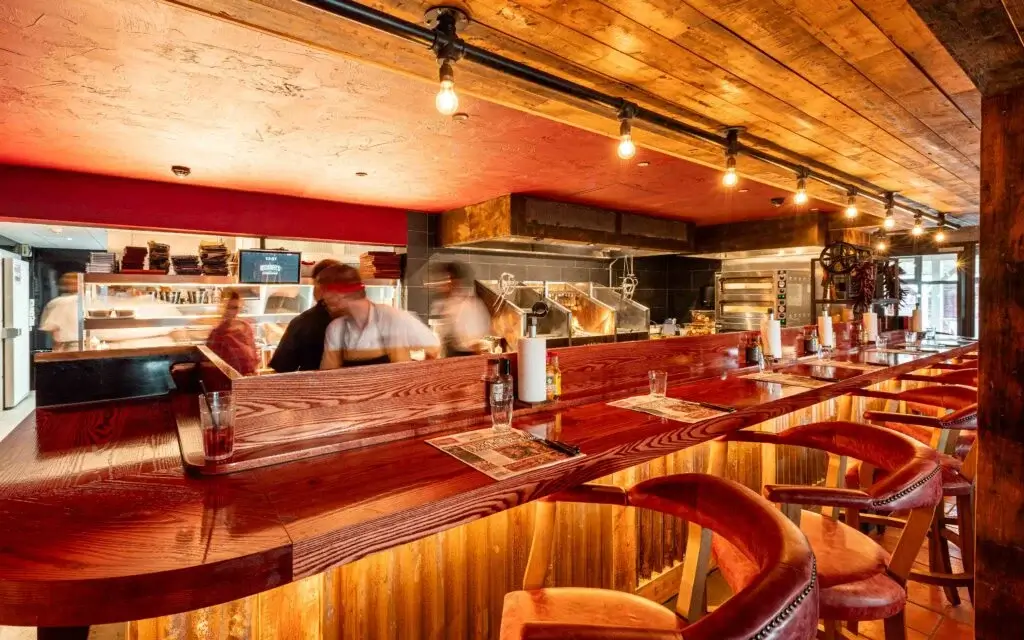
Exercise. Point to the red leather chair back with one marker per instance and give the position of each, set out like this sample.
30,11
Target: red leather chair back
782,602
945,396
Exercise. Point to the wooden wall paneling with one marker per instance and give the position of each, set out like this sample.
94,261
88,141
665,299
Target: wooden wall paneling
999,574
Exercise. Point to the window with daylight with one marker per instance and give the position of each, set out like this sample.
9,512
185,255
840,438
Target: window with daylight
932,282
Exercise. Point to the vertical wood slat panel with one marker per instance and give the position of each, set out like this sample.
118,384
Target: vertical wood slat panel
450,586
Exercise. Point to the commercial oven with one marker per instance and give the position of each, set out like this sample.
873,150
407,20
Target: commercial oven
742,298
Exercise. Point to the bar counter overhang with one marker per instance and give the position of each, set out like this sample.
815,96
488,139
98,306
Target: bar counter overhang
100,522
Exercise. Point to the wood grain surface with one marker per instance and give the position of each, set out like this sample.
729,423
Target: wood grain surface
115,513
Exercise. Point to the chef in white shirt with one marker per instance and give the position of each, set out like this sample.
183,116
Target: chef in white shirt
464,321
60,317
364,332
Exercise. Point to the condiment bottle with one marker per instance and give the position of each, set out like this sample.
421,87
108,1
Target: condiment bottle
553,377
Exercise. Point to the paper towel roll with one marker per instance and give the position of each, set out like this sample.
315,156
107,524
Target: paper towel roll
915,320
532,355
773,338
825,335
870,320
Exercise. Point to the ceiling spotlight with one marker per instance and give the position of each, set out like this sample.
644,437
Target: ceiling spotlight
361,174
643,163
627,149
851,203
800,197
447,101
181,171
918,226
890,206
940,233
460,117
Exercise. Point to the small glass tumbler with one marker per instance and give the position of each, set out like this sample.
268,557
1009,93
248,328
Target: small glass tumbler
501,406
217,418
912,338
659,383
881,342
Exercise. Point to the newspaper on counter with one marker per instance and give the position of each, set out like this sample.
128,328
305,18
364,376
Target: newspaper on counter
502,454
671,408
788,378
862,366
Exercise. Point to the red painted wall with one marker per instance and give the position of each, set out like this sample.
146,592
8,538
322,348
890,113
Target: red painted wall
47,196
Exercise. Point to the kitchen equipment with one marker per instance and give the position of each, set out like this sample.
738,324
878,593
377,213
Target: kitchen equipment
742,298
16,327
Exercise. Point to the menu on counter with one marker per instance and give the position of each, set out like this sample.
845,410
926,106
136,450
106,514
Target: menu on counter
908,351
788,378
500,454
671,408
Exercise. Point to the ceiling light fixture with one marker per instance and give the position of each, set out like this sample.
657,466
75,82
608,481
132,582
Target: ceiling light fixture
627,148
851,203
890,215
800,197
643,163
181,171
732,136
940,233
448,48
881,245
918,229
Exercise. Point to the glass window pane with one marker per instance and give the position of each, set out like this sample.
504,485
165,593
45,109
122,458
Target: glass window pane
938,307
938,267
909,268
909,300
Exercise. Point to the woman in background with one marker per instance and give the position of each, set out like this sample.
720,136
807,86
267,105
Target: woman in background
232,339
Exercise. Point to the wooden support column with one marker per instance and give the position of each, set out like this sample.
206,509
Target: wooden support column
1000,479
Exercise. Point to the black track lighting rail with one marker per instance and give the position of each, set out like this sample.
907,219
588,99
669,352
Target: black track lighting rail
444,39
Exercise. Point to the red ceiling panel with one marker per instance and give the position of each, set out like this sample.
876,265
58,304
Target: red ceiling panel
131,87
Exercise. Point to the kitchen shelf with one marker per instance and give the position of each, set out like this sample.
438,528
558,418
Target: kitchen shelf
178,321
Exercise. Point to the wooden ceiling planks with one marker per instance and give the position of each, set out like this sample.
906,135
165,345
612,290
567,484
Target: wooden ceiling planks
984,36
572,30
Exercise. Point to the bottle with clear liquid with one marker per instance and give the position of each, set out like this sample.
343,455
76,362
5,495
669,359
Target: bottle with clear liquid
501,399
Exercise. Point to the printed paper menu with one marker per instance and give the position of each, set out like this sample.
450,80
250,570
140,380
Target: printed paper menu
671,408
500,455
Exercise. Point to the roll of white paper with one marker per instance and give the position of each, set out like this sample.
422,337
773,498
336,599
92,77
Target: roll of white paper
773,338
825,335
915,321
870,320
532,354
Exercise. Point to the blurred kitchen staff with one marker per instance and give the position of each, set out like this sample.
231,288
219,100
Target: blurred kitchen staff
232,339
60,317
464,320
364,332
302,345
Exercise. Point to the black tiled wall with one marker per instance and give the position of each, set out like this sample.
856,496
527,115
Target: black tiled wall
669,285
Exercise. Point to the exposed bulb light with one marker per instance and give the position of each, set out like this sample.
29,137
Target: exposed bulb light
890,208
627,148
918,229
729,178
940,235
447,101
890,222
851,204
800,197
881,245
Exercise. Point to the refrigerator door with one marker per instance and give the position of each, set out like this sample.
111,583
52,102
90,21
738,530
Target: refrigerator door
17,360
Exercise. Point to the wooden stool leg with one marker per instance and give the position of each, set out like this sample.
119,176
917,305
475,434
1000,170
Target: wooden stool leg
63,633
938,554
896,627
965,523
832,630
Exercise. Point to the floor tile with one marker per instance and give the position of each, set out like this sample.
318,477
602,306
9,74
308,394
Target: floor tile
953,630
921,619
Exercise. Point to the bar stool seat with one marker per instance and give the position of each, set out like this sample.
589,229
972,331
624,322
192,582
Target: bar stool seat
580,606
874,598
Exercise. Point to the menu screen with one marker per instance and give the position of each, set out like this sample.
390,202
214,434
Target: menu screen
268,267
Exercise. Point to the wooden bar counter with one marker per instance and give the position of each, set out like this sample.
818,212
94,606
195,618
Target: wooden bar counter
100,523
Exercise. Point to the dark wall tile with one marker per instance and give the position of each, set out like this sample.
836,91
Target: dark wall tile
418,221
417,301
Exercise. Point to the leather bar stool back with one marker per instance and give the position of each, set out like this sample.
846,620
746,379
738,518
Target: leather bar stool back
858,579
780,600
968,377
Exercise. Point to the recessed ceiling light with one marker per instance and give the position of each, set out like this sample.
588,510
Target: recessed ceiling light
643,163
362,174
743,190
57,229
181,171
460,116
815,209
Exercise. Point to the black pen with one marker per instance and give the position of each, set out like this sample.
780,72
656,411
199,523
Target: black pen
570,450
712,405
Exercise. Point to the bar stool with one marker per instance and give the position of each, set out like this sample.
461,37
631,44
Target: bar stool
957,476
779,601
859,580
968,377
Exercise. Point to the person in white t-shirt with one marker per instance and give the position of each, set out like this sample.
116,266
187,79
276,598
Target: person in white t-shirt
464,321
364,332
60,317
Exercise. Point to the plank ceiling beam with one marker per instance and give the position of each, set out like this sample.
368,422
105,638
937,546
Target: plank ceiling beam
983,36
610,105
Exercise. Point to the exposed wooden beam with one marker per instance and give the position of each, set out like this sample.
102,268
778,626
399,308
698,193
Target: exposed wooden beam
982,37
777,233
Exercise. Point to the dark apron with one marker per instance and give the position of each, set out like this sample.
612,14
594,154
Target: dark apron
384,358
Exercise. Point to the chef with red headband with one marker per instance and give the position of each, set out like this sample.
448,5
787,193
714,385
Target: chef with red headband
364,332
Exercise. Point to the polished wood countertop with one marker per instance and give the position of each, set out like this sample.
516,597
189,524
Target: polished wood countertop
100,523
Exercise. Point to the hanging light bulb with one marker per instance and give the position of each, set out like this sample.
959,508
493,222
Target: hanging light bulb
889,222
881,245
940,236
800,197
729,178
447,101
940,233
918,229
890,217
627,149
851,203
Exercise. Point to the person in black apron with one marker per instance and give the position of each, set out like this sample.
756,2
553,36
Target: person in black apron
364,332
464,321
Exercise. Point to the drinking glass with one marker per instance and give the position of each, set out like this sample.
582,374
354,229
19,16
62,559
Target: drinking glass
881,341
912,338
501,406
659,383
217,418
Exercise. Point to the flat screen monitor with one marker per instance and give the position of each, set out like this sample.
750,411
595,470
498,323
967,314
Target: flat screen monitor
269,267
